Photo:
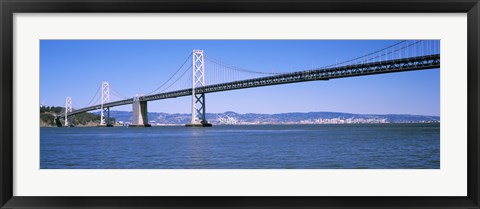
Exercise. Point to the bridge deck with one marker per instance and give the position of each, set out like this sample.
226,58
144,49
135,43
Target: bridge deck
389,66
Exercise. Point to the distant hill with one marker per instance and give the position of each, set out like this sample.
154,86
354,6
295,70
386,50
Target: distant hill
47,117
281,118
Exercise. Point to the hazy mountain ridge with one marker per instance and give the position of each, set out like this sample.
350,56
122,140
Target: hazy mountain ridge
230,117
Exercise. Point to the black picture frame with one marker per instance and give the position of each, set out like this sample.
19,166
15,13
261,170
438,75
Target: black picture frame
9,7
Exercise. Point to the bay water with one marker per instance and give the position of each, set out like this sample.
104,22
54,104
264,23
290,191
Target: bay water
322,146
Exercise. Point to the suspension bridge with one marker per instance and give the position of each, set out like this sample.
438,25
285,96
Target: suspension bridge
220,76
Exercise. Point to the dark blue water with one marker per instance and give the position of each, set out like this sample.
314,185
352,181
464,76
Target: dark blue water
402,146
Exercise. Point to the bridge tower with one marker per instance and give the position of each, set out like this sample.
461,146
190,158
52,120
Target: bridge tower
198,100
105,110
68,108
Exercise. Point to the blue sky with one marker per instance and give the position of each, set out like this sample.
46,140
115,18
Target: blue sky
76,68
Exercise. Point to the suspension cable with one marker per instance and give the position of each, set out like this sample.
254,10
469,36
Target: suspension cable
223,64
396,50
172,75
360,57
186,70
91,100
117,94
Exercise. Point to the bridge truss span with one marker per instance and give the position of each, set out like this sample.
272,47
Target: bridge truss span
399,65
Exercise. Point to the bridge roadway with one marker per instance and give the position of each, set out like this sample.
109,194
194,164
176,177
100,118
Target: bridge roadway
389,66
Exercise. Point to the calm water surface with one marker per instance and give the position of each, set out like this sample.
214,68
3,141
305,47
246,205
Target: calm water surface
229,147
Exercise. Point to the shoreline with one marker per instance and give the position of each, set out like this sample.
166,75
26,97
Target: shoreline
269,124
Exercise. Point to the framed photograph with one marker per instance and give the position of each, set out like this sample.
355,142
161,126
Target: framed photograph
233,104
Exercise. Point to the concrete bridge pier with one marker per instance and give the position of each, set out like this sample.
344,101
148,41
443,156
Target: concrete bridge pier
58,122
68,121
139,114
